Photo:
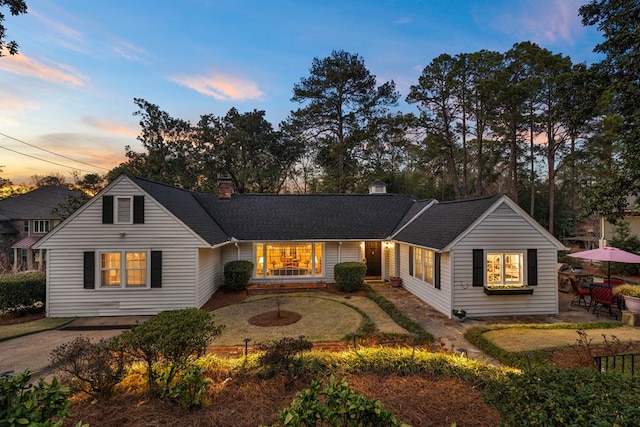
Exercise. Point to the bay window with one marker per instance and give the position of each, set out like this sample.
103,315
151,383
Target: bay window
273,260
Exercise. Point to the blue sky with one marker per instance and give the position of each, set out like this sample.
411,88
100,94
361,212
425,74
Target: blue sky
81,63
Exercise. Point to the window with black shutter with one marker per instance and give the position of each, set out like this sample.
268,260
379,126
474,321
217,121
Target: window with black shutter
107,209
410,260
138,209
436,269
156,269
89,270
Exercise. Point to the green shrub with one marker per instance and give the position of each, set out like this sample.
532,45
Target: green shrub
566,397
18,293
41,405
341,407
168,342
283,356
349,276
237,275
97,367
190,389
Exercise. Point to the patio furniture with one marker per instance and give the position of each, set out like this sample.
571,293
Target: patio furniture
602,297
581,293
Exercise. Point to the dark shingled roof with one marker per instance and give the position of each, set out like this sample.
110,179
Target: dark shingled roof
36,204
285,217
184,205
413,211
443,222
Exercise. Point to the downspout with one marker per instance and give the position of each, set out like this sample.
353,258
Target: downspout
238,248
339,251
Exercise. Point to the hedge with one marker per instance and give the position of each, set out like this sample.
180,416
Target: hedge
237,275
349,276
18,293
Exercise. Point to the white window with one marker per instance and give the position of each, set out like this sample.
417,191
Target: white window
41,226
25,227
124,211
123,269
423,260
505,269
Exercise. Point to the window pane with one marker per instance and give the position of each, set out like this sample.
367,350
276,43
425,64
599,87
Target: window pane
136,268
512,268
289,260
124,210
318,259
418,265
259,261
110,269
428,266
494,268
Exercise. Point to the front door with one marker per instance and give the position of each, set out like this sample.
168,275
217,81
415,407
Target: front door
374,260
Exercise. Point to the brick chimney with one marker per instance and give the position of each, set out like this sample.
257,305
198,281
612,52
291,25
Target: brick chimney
225,188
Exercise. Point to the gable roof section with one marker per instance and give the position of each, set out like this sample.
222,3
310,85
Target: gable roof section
36,204
443,222
185,206
289,217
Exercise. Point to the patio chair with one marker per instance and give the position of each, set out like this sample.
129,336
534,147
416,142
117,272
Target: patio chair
581,293
602,297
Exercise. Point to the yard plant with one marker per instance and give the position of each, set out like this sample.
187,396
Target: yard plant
19,292
237,275
349,276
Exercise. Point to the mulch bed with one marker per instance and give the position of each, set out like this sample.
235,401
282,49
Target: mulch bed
12,319
415,400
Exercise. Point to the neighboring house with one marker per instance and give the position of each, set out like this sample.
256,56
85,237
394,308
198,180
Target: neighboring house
140,247
631,216
25,219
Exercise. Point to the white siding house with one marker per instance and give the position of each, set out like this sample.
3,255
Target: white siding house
141,247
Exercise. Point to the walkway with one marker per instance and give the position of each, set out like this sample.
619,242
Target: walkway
451,332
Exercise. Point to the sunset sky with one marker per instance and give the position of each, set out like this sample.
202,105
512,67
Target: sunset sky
67,98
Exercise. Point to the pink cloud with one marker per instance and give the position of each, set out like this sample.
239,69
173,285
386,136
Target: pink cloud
221,87
61,74
110,127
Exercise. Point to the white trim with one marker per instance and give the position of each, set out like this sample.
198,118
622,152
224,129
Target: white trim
504,199
116,209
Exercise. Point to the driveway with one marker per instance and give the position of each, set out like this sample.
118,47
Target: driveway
33,351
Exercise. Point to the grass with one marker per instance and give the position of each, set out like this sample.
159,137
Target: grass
44,324
324,319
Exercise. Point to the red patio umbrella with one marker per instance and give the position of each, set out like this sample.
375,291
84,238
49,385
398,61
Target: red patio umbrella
610,255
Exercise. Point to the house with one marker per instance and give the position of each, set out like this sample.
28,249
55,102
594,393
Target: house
25,219
631,216
141,247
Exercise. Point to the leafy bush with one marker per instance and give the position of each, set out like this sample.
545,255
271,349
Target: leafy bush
168,342
18,293
566,397
237,275
349,276
284,356
190,388
98,367
22,403
343,407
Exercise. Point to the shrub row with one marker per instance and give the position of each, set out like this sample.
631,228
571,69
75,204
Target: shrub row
422,336
19,292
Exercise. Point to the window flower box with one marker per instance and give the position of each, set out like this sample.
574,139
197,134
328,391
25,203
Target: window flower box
508,290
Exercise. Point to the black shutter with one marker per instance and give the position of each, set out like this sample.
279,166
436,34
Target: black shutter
89,270
156,269
107,209
436,269
138,209
532,267
478,267
410,260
